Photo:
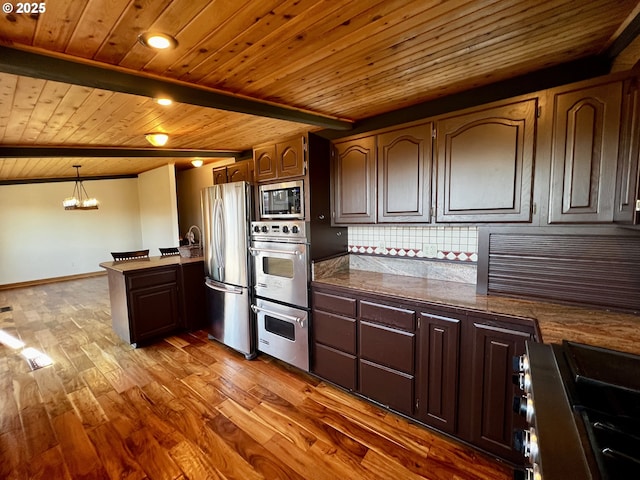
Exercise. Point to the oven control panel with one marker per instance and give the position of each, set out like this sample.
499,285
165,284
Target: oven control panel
551,444
288,231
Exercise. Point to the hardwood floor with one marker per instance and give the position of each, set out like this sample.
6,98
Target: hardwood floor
188,408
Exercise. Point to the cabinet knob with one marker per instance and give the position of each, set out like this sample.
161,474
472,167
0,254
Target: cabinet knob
321,217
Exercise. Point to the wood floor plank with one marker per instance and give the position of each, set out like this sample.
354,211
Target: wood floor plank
190,408
252,424
87,408
48,465
13,455
152,457
262,461
52,391
193,462
9,416
96,381
117,459
38,431
79,453
120,413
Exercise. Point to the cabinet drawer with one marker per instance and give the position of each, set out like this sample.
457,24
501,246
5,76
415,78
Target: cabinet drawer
387,346
152,278
387,386
388,315
334,304
335,331
335,366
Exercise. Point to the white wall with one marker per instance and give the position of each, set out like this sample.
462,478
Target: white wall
158,208
40,240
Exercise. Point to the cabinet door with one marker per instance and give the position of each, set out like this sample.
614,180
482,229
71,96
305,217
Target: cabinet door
219,175
265,163
586,131
291,158
628,179
354,196
492,416
437,371
485,164
238,172
404,175
154,311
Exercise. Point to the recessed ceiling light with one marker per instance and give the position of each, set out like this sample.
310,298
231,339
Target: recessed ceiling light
164,101
158,41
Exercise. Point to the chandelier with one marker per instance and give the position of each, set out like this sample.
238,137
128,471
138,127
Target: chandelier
79,200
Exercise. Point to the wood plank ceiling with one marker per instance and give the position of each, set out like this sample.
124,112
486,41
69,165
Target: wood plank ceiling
340,60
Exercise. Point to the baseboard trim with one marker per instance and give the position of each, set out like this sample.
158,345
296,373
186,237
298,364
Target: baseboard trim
44,281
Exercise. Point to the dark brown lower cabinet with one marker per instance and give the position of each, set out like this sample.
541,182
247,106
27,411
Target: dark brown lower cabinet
447,367
438,363
490,353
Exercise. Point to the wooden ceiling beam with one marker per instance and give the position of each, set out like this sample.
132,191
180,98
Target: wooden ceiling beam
59,69
27,151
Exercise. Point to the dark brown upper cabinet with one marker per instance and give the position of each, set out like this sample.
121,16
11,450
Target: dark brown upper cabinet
485,163
354,181
627,197
584,152
236,172
404,175
280,161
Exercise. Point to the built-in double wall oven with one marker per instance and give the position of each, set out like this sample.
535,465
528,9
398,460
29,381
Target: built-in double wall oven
281,278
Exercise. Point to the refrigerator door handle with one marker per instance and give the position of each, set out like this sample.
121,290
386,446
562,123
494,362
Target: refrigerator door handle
290,318
218,222
223,288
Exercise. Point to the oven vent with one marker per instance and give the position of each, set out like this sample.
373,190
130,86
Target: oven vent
600,270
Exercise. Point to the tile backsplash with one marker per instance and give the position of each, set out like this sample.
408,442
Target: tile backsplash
438,242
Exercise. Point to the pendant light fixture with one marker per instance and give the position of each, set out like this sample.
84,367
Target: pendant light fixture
79,200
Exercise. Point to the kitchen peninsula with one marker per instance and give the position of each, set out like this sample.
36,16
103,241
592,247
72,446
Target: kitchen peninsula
155,296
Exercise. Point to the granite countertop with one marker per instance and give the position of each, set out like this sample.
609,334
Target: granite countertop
124,266
556,322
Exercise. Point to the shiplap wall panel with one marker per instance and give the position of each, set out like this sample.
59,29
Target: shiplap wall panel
601,270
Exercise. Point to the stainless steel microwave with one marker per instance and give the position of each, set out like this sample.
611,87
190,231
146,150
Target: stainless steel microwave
282,200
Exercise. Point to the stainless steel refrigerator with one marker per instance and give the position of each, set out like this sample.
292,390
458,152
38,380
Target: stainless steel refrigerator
227,213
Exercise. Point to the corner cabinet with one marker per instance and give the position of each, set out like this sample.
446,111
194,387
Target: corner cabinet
280,161
586,138
485,162
446,367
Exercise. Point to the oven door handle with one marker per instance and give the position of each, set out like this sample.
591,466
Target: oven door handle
291,318
255,251
219,287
